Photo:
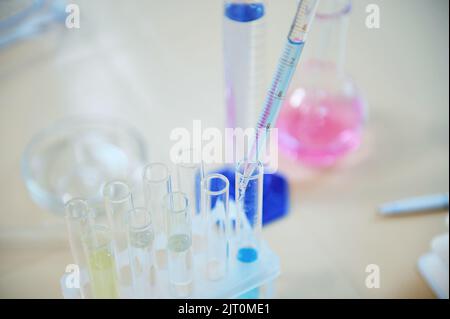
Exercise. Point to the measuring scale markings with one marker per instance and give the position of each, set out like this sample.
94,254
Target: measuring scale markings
276,94
280,84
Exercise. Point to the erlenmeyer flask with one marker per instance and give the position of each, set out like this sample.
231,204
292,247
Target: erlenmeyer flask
323,114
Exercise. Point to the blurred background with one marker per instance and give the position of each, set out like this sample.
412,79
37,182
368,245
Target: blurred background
159,64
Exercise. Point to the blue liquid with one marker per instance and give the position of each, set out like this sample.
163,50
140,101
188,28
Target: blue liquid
247,255
244,12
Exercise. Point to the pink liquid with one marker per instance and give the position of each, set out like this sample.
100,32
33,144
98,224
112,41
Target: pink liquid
317,128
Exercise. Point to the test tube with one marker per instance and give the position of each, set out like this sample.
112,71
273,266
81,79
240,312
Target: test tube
249,209
179,244
98,248
157,184
118,201
141,249
215,194
190,172
77,218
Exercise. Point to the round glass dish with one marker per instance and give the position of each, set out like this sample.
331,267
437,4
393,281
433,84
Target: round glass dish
76,156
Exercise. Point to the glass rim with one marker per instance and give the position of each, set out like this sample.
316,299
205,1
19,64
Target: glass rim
343,10
156,180
121,198
140,209
77,200
177,193
47,198
215,176
254,175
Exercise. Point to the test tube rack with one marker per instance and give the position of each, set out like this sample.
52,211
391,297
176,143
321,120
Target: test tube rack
243,280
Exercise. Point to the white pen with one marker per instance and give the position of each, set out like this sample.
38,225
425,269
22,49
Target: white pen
415,205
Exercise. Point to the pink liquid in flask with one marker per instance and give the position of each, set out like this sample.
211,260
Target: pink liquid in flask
317,127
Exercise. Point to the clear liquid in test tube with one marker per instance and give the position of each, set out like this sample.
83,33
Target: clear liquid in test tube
77,217
157,184
215,196
179,244
190,172
141,239
118,201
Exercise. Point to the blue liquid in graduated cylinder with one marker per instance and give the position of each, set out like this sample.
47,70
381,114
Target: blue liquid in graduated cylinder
244,12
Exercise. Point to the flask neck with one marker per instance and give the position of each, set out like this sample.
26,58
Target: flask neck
329,34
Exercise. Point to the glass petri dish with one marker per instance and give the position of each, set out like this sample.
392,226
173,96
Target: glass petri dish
76,156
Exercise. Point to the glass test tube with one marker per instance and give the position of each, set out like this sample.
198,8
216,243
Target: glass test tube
98,248
179,244
157,184
118,201
141,249
77,221
190,172
249,210
215,195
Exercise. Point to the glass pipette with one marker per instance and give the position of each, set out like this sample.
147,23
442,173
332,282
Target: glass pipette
280,83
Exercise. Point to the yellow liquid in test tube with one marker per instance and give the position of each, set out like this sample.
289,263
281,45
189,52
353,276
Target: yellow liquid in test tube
103,274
